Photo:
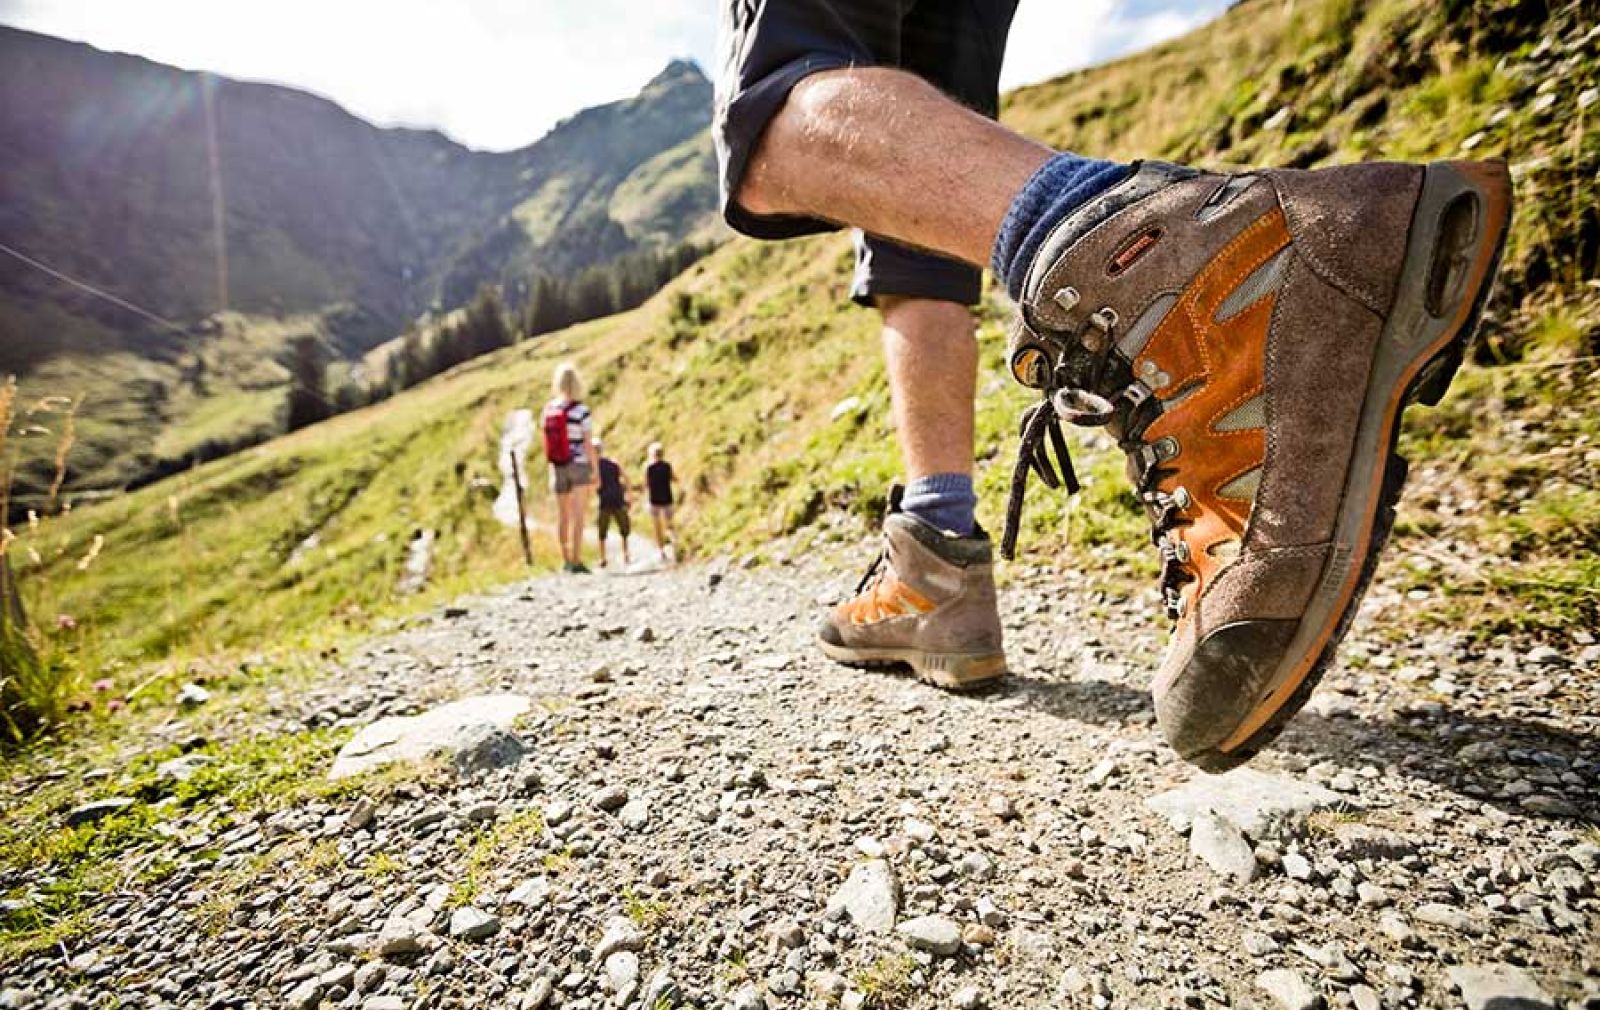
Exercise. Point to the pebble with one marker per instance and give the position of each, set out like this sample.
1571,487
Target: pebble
870,897
1497,987
622,975
1288,989
1436,914
968,997
934,934
1220,844
468,923
399,937
609,798
621,933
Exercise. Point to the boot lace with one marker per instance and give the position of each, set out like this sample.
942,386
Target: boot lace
1075,391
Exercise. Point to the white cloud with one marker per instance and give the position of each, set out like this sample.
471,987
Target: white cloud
1051,37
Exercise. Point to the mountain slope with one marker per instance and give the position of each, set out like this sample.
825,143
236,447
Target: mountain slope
331,226
767,388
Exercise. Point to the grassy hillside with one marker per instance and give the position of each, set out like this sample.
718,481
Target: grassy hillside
767,387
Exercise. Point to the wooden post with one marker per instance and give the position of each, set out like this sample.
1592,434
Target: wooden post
522,515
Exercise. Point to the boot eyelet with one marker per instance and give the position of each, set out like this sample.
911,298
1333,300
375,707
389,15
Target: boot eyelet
1029,365
1165,448
1067,299
1181,498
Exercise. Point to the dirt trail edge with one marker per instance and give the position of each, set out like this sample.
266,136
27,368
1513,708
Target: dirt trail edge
697,810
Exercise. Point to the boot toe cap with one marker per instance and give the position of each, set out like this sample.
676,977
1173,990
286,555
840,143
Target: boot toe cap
1205,693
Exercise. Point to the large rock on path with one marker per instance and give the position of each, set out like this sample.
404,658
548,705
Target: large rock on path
1259,804
473,732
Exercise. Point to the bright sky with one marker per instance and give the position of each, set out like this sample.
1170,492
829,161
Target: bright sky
497,74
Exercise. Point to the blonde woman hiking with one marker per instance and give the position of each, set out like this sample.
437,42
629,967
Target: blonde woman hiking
569,448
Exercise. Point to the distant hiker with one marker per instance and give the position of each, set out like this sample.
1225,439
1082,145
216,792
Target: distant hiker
1250,339
613,504
658,480
569,448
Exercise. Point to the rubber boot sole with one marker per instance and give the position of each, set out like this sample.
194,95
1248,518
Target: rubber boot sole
948,670
1458,232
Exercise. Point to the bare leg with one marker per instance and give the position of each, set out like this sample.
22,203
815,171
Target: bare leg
873,147
933,374
562,537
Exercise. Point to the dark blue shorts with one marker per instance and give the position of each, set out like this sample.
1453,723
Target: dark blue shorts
768,46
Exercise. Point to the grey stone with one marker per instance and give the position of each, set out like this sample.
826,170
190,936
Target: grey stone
305,996
370,976
622,975
1436,914
931,933
1219,843
1498,987
340,976
99,809
609,798
473,731
968,997
538,994
976,865
533,893
1261,804
399,937
362,813
468,923
870,896
1372,896
192,695
388,1002
1365,998
748,998
620,934
1297,867
16,999
634,815
1288,989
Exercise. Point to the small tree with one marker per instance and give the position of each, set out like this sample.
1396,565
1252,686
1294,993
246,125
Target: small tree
308,383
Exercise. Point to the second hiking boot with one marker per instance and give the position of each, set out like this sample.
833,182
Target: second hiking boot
927,602
1252,341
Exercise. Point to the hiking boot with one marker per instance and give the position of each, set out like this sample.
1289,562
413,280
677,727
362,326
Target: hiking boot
928,602
1252,341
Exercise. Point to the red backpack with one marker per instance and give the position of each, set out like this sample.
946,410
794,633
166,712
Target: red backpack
557,442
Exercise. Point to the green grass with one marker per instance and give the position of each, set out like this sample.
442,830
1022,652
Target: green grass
489,847
886,983
80,865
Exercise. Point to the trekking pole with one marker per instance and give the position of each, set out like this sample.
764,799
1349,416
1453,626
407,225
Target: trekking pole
522,515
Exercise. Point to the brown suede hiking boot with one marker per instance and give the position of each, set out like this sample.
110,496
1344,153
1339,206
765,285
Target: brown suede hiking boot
928,602
1252,342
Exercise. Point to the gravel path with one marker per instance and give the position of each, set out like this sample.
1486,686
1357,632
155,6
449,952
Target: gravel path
696,810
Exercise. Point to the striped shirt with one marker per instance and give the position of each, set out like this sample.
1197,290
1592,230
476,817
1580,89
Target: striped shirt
578,427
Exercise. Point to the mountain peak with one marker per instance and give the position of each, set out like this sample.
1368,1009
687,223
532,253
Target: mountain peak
679,71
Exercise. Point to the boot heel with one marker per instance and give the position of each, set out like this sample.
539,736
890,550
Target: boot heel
1463,214
957,671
